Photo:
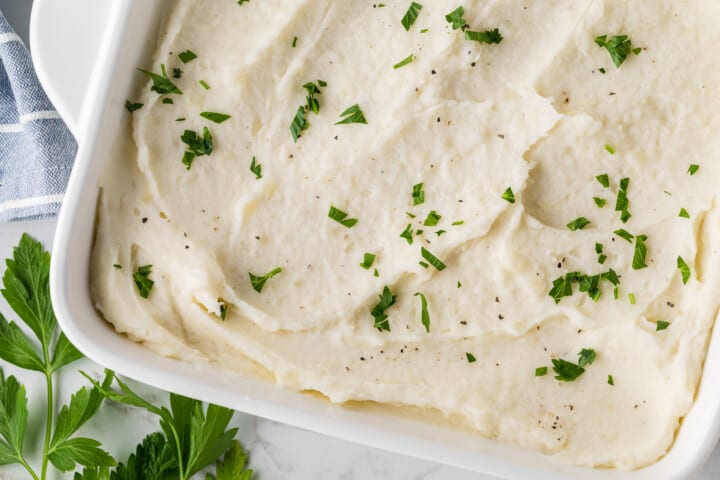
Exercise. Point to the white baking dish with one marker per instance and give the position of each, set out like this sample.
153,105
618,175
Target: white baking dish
123,33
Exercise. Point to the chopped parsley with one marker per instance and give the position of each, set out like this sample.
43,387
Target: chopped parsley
600,202
299,123
610,149
352,114
440,233
418,194
161,83
566,371
215,117
619,47
223,308
167,101
456,18
204,84
693,169
387,300
432,259
622,201
638,262
508,195
132,107
405,61
631,298
578,224
488,36
197,146
661,325
425,315
683,213
258,282
604,180
256,168
142,280
117,266
368,260
411,15
187,56
684,270
611,380
294,42
624,234
432,219
470,357
589,284
407,234
457,223
341,217
586,357
177,73
541,371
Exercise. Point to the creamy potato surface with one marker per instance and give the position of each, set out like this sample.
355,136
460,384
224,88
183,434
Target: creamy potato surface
511,219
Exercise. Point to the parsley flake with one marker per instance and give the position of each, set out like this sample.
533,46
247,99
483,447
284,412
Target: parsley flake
611,380
640,253
204,84
187,56
256,168
470,357
432,259
387,300
508,195
411,15
578,224
693,169
425,315
132,107
432,219
619,47
684,270
405,61
161,83
661,325
456,18
197,146
586,357
352,114
142,280
215,117
368,260
488,36
600,202
604,180
223,306
610,149
299,123
624,234
541,371
418,194
683,213
341,217
566,371
258,282
407,234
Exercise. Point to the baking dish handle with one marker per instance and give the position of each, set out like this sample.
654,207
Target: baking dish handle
65,39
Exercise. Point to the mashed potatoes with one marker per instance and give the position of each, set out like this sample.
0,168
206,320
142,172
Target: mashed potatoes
508,227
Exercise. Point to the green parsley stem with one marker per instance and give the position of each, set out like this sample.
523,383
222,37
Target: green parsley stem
48,422
27,467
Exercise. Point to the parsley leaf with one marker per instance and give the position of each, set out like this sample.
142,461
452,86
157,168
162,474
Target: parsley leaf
132,107
488,36
566,371
197,146
258,282
387,300
425,315
693,169
604,180
586,357
161,83
470,357
610,149
352,114
578,224
299,123
233,464
683,213
256,168
640,253
215,117
684,270
456,18
432,219
411,15
405,61
142,280
204,84
368,260
187,56
341,217
661,325
418,194
407,234
13,419
624,234
622,200
619,47
541,371
432,259
223,307
153,460
600,202
563,287
611,380
508,195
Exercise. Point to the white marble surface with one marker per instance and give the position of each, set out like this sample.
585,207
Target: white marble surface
277,452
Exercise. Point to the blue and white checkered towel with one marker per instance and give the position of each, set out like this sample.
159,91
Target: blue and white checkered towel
36,148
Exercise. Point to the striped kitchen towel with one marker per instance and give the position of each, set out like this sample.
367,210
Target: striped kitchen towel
36,148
